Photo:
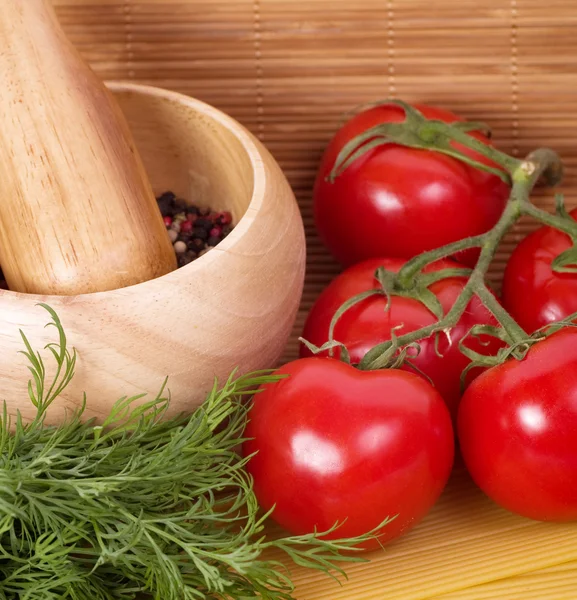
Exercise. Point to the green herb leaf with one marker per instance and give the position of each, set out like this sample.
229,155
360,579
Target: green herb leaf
140,506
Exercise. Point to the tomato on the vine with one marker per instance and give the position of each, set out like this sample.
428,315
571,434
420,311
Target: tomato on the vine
367,323
335,444
399,201
516,428
533,293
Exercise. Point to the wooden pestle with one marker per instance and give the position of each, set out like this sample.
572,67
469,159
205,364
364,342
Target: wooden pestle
77,212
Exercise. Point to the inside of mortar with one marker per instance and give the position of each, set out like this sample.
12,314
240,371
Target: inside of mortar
188,152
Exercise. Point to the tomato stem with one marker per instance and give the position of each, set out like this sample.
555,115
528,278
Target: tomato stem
413,267
566,226
515,333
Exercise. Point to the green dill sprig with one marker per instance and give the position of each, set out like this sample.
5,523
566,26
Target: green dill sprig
139,506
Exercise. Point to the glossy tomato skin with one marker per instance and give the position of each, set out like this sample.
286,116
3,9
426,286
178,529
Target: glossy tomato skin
336,443
517,430
398,201
368,323
533,293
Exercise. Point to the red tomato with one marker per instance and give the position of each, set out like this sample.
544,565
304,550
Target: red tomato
517,430
398,201
368,323
533,293
336,443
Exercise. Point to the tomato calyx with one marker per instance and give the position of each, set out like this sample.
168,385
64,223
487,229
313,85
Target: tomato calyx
394,357
416,131
329,347
416,287
516,350
390,284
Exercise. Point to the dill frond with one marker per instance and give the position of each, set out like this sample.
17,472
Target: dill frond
141,506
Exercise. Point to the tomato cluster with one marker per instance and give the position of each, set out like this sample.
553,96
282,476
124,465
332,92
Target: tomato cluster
336,443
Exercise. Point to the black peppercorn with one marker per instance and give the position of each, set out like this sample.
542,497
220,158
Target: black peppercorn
200,232
205,223
186,258
196,245
166,204
212,241
181,203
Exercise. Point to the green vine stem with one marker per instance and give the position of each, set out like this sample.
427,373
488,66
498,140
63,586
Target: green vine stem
566,226
514,332
416,131
414,266
542,163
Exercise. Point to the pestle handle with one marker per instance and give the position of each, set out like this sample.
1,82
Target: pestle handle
77,212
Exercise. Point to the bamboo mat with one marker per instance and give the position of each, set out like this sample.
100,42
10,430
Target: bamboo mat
289,70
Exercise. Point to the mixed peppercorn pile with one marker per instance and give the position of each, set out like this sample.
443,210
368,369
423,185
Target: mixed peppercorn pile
193,231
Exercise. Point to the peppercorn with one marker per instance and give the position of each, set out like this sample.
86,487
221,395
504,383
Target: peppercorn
180,203
201,233
213,241
166,204
179,247
206,223
186,227
186,258
196,245
224,218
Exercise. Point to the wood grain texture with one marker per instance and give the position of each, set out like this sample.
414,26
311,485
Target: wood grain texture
231,308
290,70
77,213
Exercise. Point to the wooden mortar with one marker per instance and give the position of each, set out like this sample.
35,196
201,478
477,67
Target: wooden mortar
233,307
77,212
